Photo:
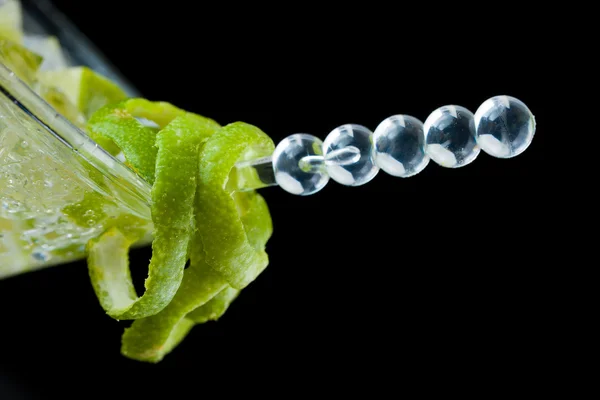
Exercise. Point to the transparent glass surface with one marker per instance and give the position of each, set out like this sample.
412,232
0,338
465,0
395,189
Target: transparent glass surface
58,188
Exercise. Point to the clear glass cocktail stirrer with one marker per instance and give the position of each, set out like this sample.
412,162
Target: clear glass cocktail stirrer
401,145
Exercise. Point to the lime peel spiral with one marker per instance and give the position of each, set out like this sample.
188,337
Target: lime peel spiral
223,233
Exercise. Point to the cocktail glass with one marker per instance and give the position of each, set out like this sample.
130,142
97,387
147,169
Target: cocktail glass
58,188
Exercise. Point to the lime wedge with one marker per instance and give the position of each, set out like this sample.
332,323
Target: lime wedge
11,20
61,103
86,89
21,61
49,48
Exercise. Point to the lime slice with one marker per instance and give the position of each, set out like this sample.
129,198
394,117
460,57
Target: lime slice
60,102
21,61
173,193
86,89
11,20
49,48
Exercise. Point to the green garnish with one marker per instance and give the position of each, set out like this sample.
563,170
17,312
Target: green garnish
20,60
223,233
173,191
231,249
204,294
84,88
196,213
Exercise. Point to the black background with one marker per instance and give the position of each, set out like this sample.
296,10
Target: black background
398,277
